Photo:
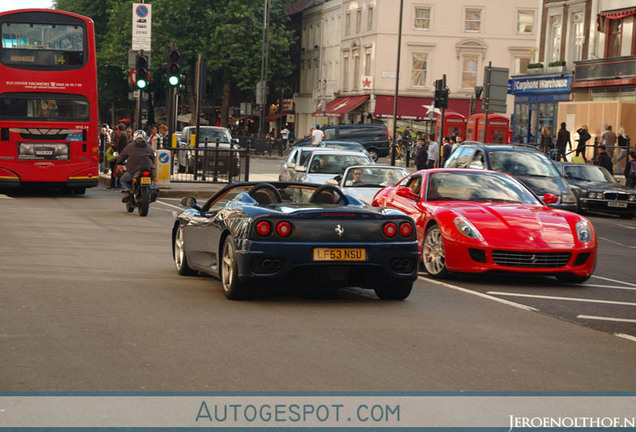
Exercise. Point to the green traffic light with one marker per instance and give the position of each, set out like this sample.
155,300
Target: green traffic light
173,80
141,84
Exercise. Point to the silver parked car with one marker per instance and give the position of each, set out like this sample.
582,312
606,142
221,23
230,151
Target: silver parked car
363,181
323,165
208,136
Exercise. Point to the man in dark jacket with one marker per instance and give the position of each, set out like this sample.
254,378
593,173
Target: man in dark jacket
563,139
604,160
421,156
139,155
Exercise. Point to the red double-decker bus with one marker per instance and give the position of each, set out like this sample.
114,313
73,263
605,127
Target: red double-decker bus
48,100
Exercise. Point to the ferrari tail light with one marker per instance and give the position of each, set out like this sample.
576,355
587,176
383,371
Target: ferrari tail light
263,228
390,229
283,228
406,229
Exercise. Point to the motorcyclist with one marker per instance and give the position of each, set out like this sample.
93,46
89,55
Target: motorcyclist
138,156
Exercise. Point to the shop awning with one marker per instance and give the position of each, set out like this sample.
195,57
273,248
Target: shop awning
613,14
342,105
274,117
416,108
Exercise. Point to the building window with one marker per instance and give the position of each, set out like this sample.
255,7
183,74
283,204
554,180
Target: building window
472,23
356,69
359,21
470,64
554,39
345,72
525,22
577,35
367,61
419,66
614,35
521,65
422,18
370,18
348,23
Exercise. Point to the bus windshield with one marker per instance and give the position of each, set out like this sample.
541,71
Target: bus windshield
43,106
37,44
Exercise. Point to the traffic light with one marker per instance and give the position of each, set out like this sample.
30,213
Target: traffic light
141,72
174,68
441,94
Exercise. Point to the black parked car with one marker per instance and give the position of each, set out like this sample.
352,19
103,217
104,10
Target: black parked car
374,137
598,190
529,166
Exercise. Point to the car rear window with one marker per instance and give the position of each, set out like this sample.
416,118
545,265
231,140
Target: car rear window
521,163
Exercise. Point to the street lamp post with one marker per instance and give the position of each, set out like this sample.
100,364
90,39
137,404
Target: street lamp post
264,64
397,85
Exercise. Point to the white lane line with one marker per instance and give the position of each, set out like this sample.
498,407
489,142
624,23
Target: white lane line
611,241
626,336
614,280
608,287
575,299
170,205
627,226
478,294
600,318
5,197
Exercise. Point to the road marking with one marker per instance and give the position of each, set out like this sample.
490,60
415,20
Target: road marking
561,298
609,287
617,243
626,336
170,205
614,280
600,318
5,197
482,295
627,226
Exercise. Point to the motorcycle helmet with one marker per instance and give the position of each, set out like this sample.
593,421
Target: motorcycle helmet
140,135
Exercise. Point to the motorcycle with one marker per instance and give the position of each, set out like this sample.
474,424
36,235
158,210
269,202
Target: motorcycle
142,193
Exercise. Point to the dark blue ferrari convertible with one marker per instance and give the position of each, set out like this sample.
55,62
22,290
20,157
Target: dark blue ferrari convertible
252,235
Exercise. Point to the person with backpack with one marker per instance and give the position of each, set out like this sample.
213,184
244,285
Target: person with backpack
584,137
630,170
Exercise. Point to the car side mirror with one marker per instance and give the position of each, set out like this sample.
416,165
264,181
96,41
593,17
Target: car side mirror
406,192
550,198
189,202
338,178
300,168
290,165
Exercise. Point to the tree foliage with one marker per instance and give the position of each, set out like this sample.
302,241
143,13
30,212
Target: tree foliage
227,32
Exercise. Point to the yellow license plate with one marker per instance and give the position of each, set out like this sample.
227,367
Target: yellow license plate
333,254
146,180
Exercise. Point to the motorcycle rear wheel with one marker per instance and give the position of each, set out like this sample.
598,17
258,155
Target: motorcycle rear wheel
144,206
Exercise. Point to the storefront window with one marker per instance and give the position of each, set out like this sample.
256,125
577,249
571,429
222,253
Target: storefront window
546,117
520,131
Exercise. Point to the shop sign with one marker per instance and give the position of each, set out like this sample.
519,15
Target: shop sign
556,84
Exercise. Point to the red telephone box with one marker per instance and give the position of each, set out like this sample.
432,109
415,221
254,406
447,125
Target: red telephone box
454,125
498,128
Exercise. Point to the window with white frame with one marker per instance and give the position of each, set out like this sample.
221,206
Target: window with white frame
472,20
358,20
554,38
367,61
356,68
577,35
525,22
419,67
345,71
470,68
422,18
370,18
348,23
521,65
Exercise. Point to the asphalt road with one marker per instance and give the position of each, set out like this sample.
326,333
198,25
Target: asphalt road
90,301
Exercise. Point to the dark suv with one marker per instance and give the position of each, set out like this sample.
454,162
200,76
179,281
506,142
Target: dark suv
529,166
374,137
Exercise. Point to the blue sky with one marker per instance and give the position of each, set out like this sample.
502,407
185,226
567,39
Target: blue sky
6,5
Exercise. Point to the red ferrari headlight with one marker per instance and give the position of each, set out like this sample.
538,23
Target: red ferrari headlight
389,229
263,228
406,229
283,229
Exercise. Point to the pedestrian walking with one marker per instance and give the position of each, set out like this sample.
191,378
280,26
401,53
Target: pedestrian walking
163,137
630,170
154,139
317,136
604,160
121,138
608,137
433,152
563,140
421,156
447,149
584,137
284,135
111,159
623,148
545,145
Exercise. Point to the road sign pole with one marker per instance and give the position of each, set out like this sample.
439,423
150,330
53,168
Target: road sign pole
486,98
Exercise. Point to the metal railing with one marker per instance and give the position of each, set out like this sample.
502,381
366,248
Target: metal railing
211,163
